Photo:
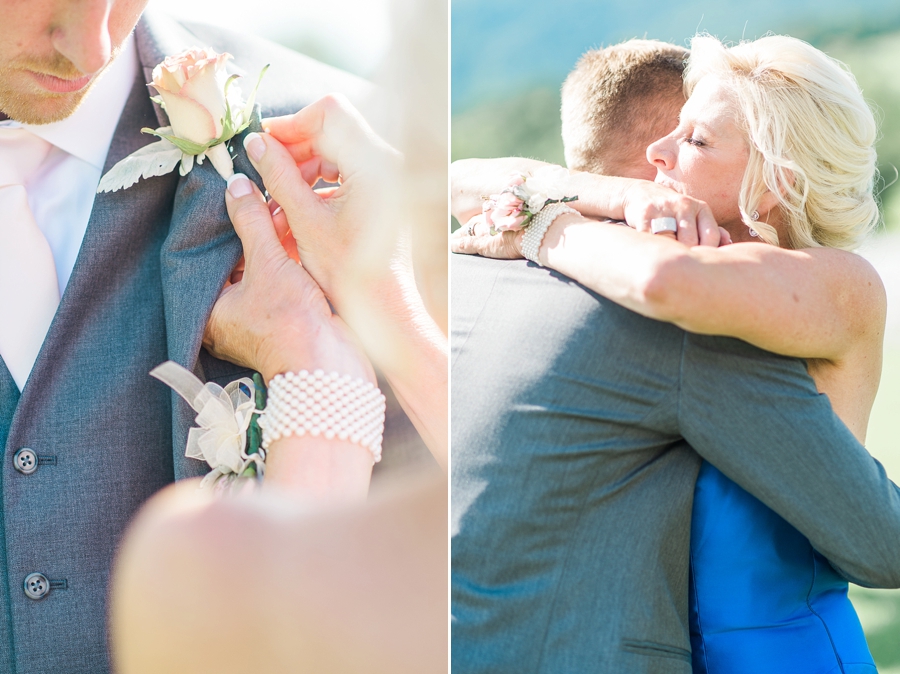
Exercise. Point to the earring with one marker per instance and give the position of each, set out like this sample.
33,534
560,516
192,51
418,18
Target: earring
754,216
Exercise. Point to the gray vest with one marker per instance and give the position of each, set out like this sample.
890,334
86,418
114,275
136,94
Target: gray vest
106,435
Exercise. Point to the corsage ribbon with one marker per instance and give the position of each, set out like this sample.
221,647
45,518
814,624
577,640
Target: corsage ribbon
223,417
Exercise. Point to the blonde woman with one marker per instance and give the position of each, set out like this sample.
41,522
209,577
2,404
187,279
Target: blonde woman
777,140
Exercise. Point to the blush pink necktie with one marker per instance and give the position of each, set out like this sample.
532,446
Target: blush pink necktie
29,290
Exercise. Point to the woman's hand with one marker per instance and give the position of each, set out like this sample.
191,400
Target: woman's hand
473,238
331,140
376,292
643,201
275,318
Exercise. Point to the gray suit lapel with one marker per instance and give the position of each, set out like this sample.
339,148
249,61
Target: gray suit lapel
200,249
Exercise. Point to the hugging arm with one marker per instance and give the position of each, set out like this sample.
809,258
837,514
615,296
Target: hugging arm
472,179
759,419
812,303
634,201
819,303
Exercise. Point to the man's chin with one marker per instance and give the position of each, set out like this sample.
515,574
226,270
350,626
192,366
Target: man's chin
31,108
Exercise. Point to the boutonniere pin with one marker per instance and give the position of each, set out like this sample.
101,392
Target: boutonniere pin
205,109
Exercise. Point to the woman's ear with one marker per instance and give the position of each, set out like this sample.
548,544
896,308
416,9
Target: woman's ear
770,200
767,202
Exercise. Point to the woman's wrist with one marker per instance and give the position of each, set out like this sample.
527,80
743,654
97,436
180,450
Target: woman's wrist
313,345
554,239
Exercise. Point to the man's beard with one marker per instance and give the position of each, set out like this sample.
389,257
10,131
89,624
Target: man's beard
30,105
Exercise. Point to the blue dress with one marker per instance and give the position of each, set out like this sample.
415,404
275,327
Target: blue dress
762,601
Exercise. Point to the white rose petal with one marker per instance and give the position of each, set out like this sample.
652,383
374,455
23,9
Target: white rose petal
192,87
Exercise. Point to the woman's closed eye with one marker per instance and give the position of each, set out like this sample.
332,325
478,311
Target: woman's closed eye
696,142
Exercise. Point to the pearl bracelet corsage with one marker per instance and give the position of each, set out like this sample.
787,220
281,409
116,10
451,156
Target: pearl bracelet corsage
525,196
325,404
534,233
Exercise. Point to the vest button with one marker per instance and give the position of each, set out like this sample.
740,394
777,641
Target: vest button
25,461
36,586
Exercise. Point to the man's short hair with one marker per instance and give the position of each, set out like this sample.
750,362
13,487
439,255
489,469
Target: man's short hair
617,101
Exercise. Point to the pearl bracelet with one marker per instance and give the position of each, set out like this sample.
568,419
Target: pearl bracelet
329,405
537,228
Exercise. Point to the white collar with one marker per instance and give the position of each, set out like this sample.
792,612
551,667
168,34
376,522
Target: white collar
87,133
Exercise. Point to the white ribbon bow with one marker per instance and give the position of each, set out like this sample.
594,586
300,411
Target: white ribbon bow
223,416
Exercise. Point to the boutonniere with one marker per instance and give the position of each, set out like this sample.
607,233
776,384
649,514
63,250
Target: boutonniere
227,435
205,109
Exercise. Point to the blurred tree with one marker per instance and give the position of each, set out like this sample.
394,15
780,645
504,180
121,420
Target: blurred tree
523,125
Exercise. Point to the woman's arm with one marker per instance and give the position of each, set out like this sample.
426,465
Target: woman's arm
277,586
346,244
276,320
601,197
473,179
811,303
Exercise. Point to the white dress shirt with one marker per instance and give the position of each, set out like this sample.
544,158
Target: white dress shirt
61,195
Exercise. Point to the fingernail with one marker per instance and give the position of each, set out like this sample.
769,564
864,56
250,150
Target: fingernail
255,146
239,186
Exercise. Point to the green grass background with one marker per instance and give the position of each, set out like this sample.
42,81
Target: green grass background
879,610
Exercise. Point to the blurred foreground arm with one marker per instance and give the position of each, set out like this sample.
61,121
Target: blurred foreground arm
260,585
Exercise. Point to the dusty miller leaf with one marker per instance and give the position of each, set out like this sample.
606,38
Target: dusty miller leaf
156,159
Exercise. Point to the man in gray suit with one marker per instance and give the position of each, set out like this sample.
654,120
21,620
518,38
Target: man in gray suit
91,436
578,428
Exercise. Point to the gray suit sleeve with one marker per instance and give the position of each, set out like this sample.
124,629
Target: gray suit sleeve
759,419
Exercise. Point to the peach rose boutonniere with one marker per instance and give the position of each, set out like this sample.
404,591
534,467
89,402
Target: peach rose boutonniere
205,109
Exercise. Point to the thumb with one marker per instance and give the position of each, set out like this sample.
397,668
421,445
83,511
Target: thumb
253,223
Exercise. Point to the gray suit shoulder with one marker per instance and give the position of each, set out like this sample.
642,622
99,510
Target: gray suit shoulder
292,81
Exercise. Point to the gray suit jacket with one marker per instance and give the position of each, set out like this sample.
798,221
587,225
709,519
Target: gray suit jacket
572,477
153,260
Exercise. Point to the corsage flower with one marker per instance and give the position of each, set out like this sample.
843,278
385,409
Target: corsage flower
523,198
205,110
224,436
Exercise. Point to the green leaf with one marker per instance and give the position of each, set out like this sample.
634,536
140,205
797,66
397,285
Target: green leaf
228,131
247,112
254,433
186,146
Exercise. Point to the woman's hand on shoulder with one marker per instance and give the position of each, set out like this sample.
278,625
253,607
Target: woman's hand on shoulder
474,238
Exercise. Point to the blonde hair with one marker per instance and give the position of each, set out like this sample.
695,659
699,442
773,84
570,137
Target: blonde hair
618,100
810,132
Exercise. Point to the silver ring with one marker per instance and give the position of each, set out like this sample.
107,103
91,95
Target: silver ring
658,225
